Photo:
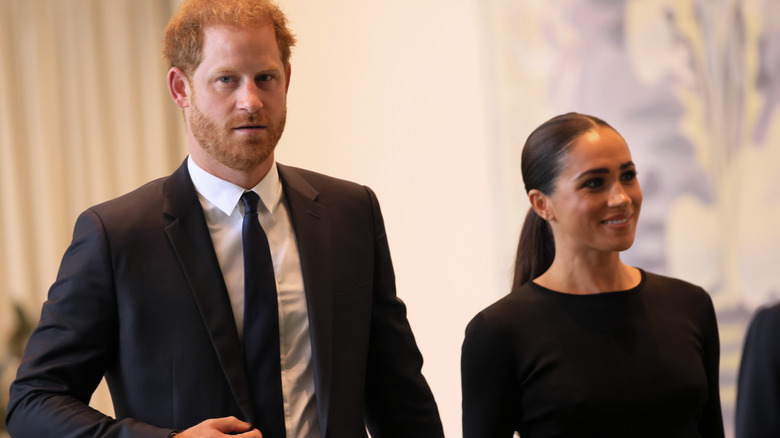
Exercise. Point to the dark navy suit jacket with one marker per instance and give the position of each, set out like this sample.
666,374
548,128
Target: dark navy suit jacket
758,387
140,298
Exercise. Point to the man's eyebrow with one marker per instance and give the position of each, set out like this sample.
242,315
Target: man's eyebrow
220,71
225,69
603,170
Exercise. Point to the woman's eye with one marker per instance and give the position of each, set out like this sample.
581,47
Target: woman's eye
629,175
593,183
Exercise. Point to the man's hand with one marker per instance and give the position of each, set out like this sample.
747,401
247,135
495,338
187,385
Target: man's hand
221,427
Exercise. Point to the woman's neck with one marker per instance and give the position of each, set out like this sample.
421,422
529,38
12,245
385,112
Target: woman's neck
589,275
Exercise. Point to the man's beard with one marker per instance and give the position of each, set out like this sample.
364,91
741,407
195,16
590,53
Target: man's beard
242,153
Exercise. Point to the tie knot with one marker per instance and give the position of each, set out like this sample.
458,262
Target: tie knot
250,199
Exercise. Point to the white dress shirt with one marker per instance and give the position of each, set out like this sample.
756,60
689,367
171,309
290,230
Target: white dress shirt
224,213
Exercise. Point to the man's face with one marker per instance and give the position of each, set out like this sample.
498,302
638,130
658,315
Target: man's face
238,97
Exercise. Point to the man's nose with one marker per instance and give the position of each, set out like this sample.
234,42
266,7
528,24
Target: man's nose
249,98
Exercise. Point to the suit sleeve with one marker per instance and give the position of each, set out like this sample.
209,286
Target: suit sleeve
486,373
398,399
758,387
74,342
711,424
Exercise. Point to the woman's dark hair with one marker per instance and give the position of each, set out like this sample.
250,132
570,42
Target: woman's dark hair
542,161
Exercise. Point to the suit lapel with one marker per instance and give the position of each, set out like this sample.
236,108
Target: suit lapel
189,236
312,232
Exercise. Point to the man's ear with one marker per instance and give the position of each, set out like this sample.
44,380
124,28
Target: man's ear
179,87
287,72
541,205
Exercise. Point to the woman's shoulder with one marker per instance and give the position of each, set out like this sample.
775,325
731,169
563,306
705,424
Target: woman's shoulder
508,311
674,293
673,285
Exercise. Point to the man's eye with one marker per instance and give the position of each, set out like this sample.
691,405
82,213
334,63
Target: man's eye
264,78
225,79
628,175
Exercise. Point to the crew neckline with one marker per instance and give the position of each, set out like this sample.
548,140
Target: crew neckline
632,290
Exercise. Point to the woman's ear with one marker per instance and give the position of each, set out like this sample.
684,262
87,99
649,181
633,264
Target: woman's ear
541,204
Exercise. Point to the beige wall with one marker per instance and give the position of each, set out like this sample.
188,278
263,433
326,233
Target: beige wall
395,95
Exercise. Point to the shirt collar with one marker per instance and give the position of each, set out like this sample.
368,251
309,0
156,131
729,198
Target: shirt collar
225,195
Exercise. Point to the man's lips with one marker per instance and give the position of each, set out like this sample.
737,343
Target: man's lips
249,128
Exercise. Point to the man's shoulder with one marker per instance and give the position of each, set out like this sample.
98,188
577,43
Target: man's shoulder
313,177
305,180
172,194
138,197
767,316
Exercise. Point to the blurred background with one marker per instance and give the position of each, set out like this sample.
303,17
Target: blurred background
428,102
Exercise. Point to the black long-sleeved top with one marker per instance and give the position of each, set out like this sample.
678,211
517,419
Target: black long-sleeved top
636,363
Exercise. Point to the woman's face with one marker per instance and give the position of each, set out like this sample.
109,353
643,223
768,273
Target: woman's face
596,201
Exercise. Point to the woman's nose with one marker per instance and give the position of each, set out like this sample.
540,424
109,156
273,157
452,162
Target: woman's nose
618,197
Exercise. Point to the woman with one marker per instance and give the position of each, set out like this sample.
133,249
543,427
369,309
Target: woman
585,345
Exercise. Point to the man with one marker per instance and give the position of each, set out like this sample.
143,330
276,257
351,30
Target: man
758,387
151,292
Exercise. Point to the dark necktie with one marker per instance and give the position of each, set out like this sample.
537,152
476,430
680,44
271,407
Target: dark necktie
261,325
